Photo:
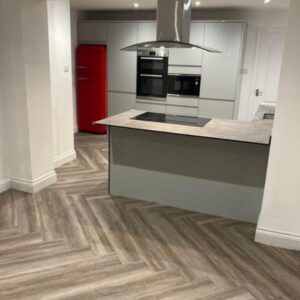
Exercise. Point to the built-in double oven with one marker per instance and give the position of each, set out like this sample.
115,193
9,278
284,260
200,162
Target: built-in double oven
154,81
152,72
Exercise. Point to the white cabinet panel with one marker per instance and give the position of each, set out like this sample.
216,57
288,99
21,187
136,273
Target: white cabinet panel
220,70
151,107
92,32
118,103
181,110
146,32
121,64
182,101
189,57
216,108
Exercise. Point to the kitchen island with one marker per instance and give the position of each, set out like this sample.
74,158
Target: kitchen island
218,169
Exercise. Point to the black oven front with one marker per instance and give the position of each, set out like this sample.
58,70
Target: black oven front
152,72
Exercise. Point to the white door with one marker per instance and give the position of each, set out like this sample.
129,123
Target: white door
270,48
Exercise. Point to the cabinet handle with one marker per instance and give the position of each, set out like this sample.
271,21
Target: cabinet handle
151,75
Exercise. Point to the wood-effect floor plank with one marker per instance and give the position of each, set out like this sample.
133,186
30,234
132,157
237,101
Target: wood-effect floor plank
74,241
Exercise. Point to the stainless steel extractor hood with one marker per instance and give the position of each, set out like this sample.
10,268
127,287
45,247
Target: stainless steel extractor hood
173,27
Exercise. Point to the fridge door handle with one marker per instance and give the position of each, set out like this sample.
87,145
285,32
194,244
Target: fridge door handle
82,78
82,67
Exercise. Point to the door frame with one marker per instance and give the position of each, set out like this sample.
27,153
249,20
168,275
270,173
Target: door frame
256,59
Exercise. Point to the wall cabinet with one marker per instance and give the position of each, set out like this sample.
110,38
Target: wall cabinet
92,32
121,64
119,102
216,109
190,57
146,32
220,70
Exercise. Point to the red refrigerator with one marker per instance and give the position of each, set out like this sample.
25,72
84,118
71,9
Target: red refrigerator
91,87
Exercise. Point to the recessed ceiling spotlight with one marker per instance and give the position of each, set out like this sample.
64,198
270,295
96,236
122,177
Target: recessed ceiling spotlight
136,5
267,1
198,3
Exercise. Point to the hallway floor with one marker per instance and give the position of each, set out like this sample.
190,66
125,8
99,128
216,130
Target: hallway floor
74,241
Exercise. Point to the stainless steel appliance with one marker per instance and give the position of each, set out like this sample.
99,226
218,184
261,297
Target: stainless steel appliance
173,27
184,84
152,72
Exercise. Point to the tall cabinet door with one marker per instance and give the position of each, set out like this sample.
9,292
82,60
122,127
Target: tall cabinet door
220,70
121,64
189,57
146,32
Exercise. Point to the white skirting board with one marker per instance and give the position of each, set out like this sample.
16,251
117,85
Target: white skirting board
4,185
277,239
33,186
64,158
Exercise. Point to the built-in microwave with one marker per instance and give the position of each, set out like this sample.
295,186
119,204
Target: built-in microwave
184,84
152,72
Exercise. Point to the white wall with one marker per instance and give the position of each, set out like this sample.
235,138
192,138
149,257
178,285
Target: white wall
75,15
25,91
279,222
59,27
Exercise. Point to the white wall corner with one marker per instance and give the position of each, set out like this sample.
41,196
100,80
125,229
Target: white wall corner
4,185
33,186
64,158
277,239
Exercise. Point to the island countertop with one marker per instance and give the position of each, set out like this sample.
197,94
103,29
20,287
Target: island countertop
257,132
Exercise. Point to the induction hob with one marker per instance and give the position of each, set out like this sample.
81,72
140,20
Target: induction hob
172,119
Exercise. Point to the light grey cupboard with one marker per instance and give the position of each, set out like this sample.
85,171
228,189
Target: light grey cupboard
190,57
216,108
146,32
92,32
220,70
119,102
158,107
121,64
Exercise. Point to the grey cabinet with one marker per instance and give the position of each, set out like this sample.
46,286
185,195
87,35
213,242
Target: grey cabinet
146,32
121,64
220,70
216,108
120,102
151,106
92,32
190,57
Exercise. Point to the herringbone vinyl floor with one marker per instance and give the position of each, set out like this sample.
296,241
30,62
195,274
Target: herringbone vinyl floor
74,241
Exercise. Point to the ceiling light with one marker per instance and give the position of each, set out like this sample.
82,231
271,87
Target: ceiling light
198,3
136,5
267,1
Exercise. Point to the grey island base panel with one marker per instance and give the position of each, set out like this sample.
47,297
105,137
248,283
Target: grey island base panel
219,177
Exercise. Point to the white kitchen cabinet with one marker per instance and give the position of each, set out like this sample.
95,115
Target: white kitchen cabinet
216,108
151,107
183,101
121,64
92,32
119,102
190,57
220,70
146,32
182,110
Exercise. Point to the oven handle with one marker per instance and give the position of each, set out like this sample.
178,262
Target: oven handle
151,58
151,75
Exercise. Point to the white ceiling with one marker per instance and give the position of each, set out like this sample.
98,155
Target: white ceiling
151,4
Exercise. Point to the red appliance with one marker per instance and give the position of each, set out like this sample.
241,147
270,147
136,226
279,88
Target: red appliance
91,87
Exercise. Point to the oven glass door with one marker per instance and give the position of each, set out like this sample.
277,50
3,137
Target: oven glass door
152,65
151,86
184,85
